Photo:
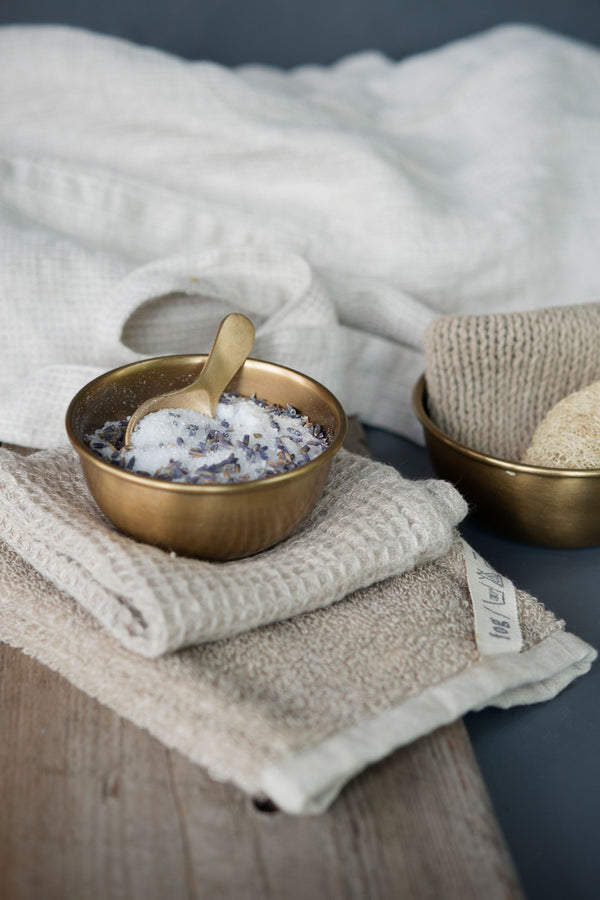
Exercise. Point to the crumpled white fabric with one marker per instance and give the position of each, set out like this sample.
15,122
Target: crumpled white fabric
142,197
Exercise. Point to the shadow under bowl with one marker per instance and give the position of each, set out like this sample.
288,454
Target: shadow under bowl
216,521
534,504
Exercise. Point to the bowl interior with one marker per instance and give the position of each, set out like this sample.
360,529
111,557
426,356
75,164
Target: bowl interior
115,394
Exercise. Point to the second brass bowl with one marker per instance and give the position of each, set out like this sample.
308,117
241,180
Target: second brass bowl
535,504
216,521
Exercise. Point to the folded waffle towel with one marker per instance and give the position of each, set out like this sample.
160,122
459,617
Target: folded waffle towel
294,709
369,524
491,379
142,197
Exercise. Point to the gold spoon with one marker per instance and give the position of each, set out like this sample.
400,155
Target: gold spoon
231,346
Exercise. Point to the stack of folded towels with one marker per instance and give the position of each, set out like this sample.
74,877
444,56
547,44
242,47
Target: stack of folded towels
287,672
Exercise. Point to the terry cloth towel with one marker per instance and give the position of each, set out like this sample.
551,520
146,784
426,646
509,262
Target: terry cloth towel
293,710
370,523
491,379
142,197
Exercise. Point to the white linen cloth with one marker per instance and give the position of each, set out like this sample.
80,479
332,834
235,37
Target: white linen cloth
142,197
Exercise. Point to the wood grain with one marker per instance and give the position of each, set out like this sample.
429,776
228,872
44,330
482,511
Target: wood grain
93,807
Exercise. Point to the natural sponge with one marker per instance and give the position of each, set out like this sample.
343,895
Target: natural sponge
569,436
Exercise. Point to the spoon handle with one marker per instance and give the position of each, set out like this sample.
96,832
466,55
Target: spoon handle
231,346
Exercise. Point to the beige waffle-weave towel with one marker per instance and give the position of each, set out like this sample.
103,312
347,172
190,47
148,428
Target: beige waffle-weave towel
491,379
294,709
369,524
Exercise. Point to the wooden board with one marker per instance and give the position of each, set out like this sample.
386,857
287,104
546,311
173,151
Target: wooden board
92,807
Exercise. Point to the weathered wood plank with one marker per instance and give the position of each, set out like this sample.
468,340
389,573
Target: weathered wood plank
93,807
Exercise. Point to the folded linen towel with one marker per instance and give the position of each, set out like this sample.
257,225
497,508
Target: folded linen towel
294,709
491,379
370,523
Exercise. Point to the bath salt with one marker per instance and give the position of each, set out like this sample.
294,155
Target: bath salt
247,439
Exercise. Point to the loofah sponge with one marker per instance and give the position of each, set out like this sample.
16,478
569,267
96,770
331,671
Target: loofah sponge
569,436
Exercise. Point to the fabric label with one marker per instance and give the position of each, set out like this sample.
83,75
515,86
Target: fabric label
497,628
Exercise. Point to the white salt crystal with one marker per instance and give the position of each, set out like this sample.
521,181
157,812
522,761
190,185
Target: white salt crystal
246,440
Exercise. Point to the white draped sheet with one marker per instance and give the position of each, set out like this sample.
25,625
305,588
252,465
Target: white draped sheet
142,197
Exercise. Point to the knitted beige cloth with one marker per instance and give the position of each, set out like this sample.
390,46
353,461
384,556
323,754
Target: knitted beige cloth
294,709
369,524
491,379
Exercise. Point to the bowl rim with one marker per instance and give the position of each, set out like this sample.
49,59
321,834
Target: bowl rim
236,487
419,399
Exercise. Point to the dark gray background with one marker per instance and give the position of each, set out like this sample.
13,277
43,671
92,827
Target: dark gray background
291,32
541,763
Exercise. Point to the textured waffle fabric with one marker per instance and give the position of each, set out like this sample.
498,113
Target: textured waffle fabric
296,708
369,524
143,197
293,709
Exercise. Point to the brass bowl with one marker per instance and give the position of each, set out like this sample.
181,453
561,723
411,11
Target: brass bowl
534,504
216,521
